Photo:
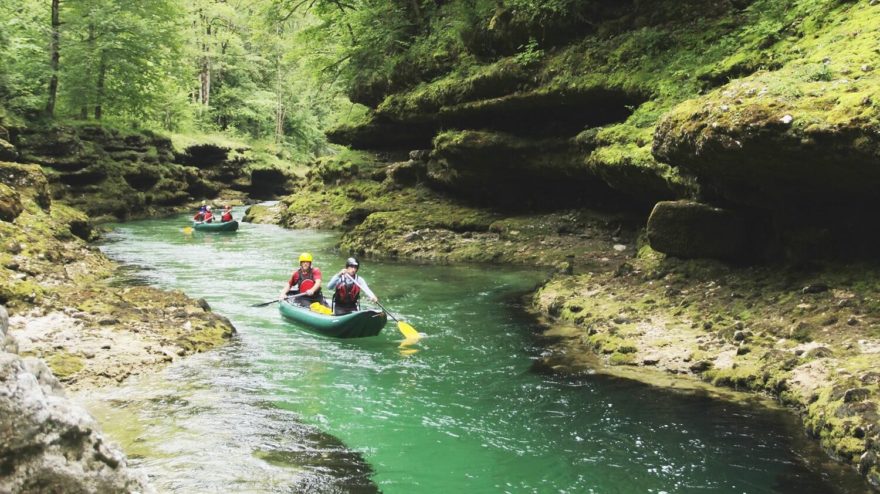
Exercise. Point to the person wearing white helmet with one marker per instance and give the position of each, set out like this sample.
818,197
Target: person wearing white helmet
347,287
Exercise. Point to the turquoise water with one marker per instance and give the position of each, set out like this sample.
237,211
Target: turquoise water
284,410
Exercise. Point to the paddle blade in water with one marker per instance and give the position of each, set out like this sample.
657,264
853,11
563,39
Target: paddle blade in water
187,230
320,308
408,331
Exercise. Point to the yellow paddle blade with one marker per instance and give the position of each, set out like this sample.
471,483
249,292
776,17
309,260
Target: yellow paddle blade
187,230
320,308
408,331
406,352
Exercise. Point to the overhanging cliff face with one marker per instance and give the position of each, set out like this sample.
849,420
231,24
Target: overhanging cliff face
804,168
512,151
766,111
501,170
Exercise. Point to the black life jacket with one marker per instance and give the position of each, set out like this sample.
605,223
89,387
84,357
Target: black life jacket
347,293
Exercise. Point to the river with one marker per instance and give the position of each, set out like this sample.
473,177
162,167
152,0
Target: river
284,410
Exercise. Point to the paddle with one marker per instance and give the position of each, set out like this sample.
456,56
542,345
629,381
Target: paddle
405,328
277,300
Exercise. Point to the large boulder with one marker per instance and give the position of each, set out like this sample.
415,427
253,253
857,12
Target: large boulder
7,151
49,444
10,203
689,229
27,180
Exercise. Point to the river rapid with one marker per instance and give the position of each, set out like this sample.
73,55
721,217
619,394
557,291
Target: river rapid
284,410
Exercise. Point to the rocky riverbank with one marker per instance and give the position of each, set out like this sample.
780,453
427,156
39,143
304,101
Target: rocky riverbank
71,327
64,306
48,443
807,335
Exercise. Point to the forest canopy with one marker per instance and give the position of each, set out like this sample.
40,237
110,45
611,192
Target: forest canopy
282,70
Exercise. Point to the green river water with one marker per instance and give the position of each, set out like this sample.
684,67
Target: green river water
283,410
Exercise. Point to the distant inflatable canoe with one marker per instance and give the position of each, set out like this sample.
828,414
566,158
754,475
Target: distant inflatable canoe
355,325
217,226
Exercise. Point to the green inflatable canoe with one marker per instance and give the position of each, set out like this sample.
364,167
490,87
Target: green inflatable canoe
355,325
217,226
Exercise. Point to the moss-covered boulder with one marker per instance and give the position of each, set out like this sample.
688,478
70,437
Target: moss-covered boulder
755,143
7,151
689,229
10,203
28,181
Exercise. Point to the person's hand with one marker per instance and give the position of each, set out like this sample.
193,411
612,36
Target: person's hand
282,296
375,299
310,292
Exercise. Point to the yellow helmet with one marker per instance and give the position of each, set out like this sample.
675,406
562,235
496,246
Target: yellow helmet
305,257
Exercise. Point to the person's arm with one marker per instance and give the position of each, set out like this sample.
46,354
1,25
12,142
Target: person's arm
334,281
316,273
363,284
287,288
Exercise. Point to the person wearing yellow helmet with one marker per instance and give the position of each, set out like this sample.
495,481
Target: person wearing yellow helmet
305,280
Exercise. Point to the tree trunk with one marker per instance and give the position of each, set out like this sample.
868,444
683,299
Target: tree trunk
279,103
54,58
84,109
205,79
205,69
102,73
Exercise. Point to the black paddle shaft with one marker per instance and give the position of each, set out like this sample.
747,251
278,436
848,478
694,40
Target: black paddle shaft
277,300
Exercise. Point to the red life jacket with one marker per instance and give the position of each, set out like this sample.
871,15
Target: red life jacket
198,216
299,276
347,292
227,216
209,217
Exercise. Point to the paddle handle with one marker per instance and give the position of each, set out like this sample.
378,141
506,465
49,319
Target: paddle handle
277,300
375,301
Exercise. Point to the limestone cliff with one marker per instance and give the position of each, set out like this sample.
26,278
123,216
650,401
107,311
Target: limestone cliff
765,109
112,174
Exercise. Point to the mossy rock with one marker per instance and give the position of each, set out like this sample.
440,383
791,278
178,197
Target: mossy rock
689,229
65,365
76,221
7,151
29,181
10,203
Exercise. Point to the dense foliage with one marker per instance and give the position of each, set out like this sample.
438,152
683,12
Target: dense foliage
249,69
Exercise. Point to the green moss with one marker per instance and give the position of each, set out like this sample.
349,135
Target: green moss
749,376
19,292
622,358
205,336
64,365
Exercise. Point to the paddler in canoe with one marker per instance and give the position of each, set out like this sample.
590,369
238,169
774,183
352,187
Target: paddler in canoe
227,214
307,281
347,287
204,215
